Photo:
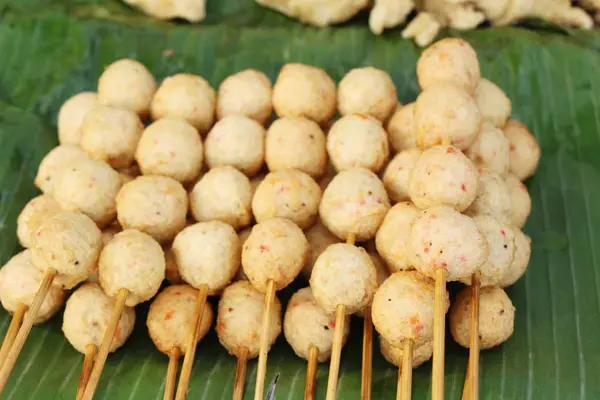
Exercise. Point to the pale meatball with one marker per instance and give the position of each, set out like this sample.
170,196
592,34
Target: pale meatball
70,243
304,91
493,197
223,194
403,308
496,317
306,324
396,177
190,10
401,128
171,318
520,200
132,260
247,93
107,235
171,269
91,187
494,104
450,60
354,202
290,194
237,141
239,319
382,274
111,135
356,140
441,237
127,84
295,142
171,147
344,275
86,317
19,283
521,260
54,163
369,91
275,250
156,205
207,253
188,97
491,149
319,238
242,236
394,355
393,237
446,113
35,212
443,175
525,151
71,115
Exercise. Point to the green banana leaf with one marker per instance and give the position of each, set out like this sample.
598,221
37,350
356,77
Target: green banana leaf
52,49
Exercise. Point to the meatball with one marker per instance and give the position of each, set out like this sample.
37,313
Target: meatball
493,197
38,210
71,115
86,318
493,103
237,141
188,97
520,200
275,250
446,112
401,129
319,238
70,243
290,194
171,318
382,274
207,253
443,176
223,194
54,163
306,324
358,141
441,237
127,84
171,147
354,202
247,93
344,275
450,60
394,355
304,91
490,149
132,260
519,263
525,151
496,317
396,177
393,237
19,283
240,315
298,143
91,187
368,91
156,205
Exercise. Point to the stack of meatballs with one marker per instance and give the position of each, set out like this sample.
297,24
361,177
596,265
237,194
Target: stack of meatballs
183,182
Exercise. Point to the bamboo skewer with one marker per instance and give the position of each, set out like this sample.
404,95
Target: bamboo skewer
240,374
264,342
23,332
472,379
367,358
190,354
115,317
439,332
311,373
174,356
405,371
86,369
13,328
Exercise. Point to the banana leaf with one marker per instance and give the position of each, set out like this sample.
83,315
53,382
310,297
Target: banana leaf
52,49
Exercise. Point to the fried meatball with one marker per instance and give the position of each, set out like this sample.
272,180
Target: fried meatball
319,238
525,151
393,237
127,84
394,355
491,149
71,115
520,200
54,163
247,93
368,91
494,104
35,212
396,177
401,128
520,261
493,197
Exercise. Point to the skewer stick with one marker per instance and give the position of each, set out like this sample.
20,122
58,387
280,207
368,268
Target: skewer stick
174,355
405,371
334,366
311,373
28,322
367,361
190,352
472,380
439,332
13,328
113,322
264,342
86,369
240,374
465,394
